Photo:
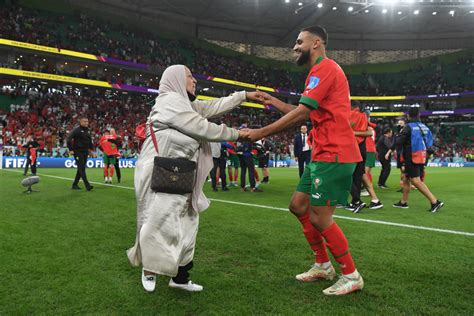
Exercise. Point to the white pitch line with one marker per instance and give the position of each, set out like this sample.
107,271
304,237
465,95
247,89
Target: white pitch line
359,219
433,229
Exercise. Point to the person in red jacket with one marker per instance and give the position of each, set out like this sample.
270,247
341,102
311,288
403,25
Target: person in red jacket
31,154
375,202
117,139
359,123
109,148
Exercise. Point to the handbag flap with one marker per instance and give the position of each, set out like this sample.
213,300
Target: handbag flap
178,165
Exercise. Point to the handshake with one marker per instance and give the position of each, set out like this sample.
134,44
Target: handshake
252,135
249,135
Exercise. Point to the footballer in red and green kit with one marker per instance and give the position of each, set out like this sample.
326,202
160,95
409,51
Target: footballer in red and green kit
334,148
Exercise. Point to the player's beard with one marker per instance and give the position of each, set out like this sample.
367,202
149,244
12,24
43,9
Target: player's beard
303,58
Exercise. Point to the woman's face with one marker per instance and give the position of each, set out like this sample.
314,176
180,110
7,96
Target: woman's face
190,82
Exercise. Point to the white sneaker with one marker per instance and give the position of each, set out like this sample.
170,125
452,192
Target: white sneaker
364,193
317,273
190,286
345,285
148,281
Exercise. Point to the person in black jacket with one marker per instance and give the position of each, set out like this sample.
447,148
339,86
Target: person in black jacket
31,157
384,146
79,143
264,147
302,150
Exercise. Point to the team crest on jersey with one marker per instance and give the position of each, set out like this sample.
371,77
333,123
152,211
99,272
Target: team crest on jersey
313,82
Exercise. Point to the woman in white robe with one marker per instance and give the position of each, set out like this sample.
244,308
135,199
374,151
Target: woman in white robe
167,224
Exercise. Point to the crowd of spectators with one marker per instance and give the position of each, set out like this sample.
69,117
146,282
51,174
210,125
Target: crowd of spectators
84,33
50,113
433,78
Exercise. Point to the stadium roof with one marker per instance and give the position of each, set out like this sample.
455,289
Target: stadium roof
352,25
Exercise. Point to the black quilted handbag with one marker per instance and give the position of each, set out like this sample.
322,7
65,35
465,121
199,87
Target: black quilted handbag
172,175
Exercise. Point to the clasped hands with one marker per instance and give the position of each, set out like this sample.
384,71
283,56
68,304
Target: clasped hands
252,135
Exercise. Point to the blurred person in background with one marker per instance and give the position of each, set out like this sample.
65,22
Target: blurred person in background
384,152
302,149
117,140
416,140
31,147
219,157
360,126
79,143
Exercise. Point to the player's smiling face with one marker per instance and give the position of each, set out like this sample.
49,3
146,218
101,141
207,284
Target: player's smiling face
303,46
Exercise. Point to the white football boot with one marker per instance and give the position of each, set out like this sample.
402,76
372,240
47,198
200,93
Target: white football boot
317,273
345,285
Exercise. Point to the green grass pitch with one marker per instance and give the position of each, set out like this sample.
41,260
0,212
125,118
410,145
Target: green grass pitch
63,252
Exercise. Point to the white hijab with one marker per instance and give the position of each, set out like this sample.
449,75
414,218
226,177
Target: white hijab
174,80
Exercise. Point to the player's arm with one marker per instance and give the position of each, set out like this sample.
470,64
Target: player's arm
216,107
319,82
71,137
281,106
366,133
300,114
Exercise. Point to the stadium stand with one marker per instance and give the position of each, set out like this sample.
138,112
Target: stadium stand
80,32
22,107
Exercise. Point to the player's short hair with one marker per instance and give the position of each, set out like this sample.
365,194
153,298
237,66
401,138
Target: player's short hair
414,112
318,31
387,130
82,116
